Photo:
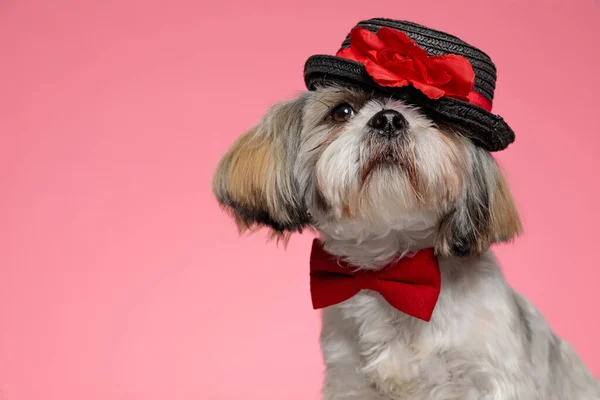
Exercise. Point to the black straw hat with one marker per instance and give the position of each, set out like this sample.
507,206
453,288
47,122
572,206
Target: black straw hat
420,65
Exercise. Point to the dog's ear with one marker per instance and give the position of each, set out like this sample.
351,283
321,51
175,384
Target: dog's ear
484,214
254,180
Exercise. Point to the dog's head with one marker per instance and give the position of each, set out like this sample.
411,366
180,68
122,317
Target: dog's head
336,155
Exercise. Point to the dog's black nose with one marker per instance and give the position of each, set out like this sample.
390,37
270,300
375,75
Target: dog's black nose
388,123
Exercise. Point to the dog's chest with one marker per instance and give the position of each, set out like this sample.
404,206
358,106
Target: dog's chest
393,350
406,358
391,366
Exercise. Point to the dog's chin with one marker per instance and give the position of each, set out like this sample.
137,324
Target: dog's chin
385,203
385,196
383,159
382,153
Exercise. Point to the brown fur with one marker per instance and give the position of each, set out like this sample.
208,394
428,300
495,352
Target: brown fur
253,181
486,213
506,224
243,172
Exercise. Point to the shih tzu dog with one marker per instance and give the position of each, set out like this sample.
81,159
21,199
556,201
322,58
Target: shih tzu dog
387,157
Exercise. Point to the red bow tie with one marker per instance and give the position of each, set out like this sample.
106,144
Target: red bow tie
410,284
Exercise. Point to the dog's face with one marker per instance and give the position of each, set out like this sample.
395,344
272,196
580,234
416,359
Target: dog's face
338,156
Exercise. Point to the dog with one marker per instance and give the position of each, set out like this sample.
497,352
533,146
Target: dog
379,178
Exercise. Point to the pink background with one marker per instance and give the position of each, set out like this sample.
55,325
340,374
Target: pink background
121,279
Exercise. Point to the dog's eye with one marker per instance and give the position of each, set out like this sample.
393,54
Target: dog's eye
342,112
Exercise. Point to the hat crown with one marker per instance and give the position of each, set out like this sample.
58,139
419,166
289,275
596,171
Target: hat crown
437,43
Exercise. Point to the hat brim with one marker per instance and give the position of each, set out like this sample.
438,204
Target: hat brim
481,126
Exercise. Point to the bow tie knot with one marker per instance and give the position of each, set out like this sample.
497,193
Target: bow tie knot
410,284
365,280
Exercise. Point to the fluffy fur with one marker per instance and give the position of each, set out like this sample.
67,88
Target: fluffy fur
373,198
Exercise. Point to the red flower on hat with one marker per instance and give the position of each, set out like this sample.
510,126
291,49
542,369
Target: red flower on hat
392,59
